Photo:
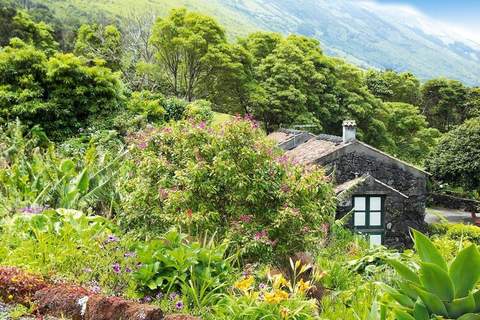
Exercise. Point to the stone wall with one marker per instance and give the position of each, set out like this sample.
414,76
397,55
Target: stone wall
453,202
400,213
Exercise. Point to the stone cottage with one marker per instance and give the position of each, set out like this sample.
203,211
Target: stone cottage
384,195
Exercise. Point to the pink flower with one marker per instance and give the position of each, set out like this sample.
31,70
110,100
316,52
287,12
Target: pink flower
260,235
246,218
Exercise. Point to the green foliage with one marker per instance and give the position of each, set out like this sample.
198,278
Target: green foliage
33,175
148,104
456,159
199,110
78,247
444,103
457,231
411,138
62,93
19,24
100,42
182,40
275,298
391,86
436,289
200,271
229,179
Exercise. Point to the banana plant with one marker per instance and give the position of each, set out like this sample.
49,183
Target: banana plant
436,290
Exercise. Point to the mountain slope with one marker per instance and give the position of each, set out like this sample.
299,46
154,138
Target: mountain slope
365,33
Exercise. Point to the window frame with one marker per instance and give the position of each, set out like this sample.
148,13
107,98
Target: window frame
367,210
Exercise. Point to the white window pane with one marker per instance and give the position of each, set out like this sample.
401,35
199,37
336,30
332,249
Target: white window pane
376,203
375,240
375,218
360,203
359,219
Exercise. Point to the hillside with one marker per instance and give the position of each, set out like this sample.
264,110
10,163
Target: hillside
366,34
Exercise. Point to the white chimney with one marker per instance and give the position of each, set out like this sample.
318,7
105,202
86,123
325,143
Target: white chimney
349,131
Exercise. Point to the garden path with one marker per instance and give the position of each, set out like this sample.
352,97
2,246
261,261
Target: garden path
435,215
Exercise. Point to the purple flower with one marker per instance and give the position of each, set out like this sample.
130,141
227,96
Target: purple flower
96,289
128,270
173,296
262,286
179,305
116,267
129,254
260,235
245,218
112,238
159,296
202,125
146,299
32,209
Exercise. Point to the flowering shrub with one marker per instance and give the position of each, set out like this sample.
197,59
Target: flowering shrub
199,110
231,180
276,298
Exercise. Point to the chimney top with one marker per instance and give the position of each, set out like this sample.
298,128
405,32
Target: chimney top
349,131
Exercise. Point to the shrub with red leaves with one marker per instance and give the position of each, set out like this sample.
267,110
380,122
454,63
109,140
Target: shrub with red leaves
18,286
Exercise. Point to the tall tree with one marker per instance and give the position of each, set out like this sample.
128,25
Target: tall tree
444,103
19,24
410,136
181,42
456,159
96,41
391,86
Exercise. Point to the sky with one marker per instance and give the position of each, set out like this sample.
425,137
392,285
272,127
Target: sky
463,15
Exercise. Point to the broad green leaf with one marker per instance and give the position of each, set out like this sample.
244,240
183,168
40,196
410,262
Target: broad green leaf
470,316
432,302
420,312
462,306
436,281
404,300
465,271
476,297
404,271
402,315
406,287
67,166
82,181
427,251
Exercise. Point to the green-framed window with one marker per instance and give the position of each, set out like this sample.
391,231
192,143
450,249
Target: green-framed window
369,217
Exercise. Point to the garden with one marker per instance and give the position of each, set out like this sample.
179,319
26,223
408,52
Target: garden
207,219
137,180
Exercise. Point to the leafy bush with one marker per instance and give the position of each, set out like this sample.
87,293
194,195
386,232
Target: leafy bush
199,110
174,108
230,179
457,231
200,271
148,104
33,174
61,93
436,289
73,245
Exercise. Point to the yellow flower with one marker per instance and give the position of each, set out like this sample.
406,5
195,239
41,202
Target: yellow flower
276,296
279,281
10,297
303,286
245,284
284,312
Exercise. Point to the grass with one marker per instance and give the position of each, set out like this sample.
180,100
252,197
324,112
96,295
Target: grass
220,118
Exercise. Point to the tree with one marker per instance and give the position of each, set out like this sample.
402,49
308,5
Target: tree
456,159
100,42
444,103
473,103
19,24
391,86
61,93
181,42
411,138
